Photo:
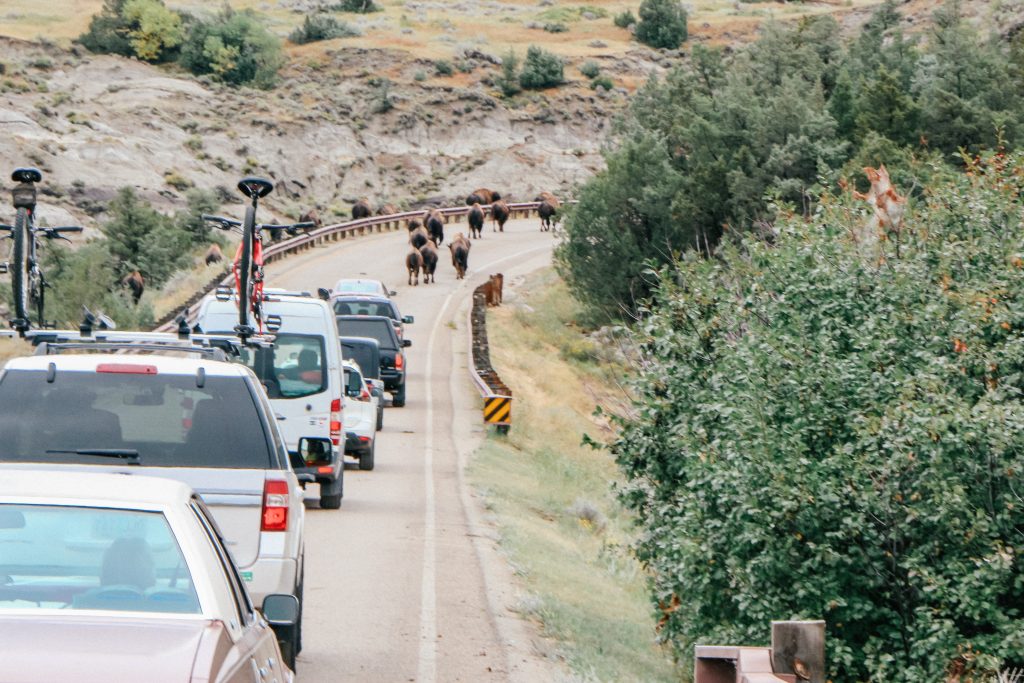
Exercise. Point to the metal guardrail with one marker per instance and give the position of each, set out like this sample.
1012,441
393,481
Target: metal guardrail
496,394
275,251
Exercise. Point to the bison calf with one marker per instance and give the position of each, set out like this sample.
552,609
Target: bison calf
413,263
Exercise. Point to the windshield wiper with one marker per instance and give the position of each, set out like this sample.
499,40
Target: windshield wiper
129,454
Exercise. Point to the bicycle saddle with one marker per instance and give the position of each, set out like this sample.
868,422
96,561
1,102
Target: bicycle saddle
26,175
255,186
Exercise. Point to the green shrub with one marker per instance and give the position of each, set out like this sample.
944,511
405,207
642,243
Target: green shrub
625,20
541,69
234,47
442,67
602,82
827,429
316,27
508,81
590,69
146,29
381,101
357,6
556,27
662,23
420,76
140,238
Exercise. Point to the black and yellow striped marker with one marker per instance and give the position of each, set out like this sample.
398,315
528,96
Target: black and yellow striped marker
498,410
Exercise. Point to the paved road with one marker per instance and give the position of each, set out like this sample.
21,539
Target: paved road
403,583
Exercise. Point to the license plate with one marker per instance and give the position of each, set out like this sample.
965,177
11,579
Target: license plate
247,577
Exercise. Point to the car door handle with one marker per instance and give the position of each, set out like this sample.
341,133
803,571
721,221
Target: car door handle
280,418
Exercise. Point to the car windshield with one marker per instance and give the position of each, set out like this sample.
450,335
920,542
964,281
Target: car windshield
65,557
358,286
366,356
293,367
374,328
166,419
364,307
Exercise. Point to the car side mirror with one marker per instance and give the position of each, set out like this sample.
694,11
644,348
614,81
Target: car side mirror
406,343
323,293
316,451
282,613
408,319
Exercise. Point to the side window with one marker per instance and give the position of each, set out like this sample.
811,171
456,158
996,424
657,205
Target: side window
280,447
243,605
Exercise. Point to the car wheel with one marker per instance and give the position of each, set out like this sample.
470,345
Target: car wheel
380,416
288,650
298,593
398,399
366,459
330,496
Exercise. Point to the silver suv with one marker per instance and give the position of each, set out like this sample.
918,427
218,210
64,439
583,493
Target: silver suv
204,422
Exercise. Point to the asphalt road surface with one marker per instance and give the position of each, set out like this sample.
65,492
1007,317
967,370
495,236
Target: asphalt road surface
404,583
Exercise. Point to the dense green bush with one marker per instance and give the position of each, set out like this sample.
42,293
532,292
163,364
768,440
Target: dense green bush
316,27
357,6
662,23
541,69
590,69
234,47
602,82
508,81
442,67
826,429
146,29
141,238
625,19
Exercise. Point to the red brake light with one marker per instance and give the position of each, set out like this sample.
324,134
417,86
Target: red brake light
275,505
336,421
399,361
126,368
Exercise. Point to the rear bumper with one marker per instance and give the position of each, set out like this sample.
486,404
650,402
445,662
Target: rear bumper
392,378
324,473
268,576
355,446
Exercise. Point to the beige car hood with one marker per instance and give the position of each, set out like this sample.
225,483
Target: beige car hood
83,648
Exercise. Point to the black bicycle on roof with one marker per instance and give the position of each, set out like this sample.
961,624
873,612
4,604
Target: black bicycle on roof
248,262
27,279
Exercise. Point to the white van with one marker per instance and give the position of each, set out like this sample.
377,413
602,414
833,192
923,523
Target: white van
302,374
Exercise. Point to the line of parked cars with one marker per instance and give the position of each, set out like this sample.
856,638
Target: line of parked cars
217,439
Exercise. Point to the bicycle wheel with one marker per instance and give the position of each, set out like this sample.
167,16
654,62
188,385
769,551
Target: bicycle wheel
245,267
19,271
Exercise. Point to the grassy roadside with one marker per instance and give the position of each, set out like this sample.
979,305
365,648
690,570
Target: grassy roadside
560,524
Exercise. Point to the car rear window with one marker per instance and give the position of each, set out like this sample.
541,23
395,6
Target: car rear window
294,367
71,557
367,357
381,308
167,419
378,329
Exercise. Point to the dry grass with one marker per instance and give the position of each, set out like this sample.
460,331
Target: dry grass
11,348
560,523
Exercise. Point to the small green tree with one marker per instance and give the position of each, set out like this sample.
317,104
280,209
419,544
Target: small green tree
625,19
508,81
541,69
234,47
316,27
146,29
590,69
141,238
662,24
356,6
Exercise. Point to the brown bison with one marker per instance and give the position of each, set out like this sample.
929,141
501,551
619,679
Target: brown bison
476,221
387,210
500,213
311,216
361,209
413,223
213,254
434,221
413,263
482,196
495,284
418,237
459,247
429,254
136,283
548,210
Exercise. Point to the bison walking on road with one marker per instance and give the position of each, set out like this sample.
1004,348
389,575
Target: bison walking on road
459,247
413,263
418,237
361,209
136,283
476,221
434,221
428,252
548,210
499,214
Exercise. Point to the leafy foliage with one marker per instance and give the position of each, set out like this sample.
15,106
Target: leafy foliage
442,67
357,6
316,27
590,69
662,23
625,19
234,47
541,69
141,238
508,81
826,431
145,29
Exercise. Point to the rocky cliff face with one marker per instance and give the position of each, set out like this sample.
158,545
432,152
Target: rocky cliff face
340,126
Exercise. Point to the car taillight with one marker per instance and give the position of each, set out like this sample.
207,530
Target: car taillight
275,505
399,361
365,395
336,421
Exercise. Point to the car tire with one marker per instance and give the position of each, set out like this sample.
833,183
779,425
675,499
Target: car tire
288,651
380,416
299,590
366,459
398,398
331,500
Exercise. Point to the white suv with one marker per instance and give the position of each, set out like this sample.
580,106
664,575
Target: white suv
360,417
200,421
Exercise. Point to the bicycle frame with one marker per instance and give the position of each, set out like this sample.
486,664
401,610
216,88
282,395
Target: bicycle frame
255,302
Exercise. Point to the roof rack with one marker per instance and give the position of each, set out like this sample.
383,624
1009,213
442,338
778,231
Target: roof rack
214,346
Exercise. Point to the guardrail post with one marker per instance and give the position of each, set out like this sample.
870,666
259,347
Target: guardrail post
798,647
